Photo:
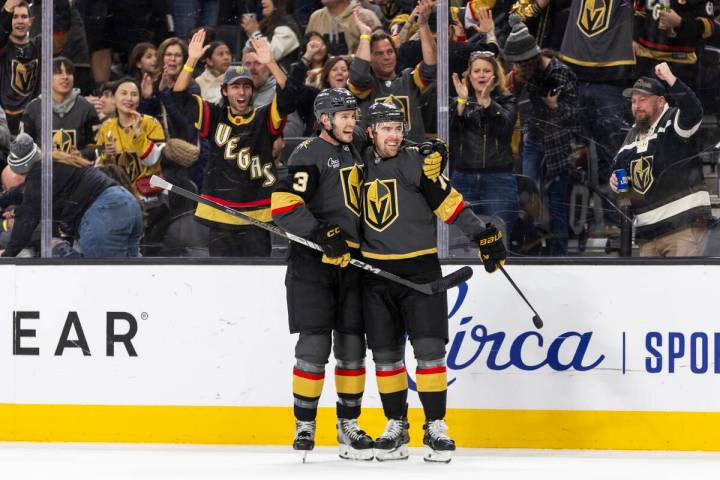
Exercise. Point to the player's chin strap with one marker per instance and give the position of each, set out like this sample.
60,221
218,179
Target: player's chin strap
330,132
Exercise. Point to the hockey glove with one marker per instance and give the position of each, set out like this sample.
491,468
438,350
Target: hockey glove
332,241
432,166
492,248
436,156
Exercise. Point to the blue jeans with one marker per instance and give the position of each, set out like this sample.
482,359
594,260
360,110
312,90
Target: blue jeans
112,226
557,193
186,14
532,156
490,194
602,110
558,205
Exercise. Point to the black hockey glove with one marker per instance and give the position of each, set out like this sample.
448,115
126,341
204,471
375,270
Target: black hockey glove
492,248
332,241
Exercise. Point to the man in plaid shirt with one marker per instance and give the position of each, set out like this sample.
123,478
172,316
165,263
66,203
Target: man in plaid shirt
546,90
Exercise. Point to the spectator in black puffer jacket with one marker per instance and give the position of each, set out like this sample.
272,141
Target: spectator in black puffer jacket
482,120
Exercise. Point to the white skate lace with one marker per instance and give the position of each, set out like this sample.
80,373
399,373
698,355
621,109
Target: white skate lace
303,427
352,429
393,429
438,429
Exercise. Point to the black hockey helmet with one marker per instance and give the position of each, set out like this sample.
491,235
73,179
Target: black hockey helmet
386,111
332,100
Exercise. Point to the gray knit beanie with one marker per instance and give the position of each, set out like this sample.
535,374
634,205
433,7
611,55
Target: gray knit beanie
520,45
24,153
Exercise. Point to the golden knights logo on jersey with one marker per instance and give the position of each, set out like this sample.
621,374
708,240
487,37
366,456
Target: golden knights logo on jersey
641,176
381,204
352,185
594,16
130,163
402,102
24,76
64,140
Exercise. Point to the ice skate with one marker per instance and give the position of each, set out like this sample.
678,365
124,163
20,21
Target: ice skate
304,437
354,443
392,444
438,445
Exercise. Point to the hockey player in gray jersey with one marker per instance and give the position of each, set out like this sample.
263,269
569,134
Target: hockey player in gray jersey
320,199
401,201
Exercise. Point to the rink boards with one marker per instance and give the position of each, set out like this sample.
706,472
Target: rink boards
628,359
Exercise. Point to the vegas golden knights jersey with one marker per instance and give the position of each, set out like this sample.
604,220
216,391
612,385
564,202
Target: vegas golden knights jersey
131,150
323,185
240,172
676,45
20,79
400,207
598,40
20,64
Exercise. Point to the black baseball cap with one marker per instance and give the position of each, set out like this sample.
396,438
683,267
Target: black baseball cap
648,86
236,74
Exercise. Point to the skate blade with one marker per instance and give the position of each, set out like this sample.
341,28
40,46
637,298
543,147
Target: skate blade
348,453
437,456
400,453
305,455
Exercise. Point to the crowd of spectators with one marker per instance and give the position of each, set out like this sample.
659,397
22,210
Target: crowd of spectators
536,93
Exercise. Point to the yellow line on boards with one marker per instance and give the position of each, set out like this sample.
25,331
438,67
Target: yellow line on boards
555,429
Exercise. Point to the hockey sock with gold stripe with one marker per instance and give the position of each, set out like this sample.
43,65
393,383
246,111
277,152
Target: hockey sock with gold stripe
431,378
393,387
308,379
350,385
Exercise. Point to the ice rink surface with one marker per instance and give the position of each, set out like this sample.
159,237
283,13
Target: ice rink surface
30,461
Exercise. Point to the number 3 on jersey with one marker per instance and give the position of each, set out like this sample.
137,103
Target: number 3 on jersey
300,181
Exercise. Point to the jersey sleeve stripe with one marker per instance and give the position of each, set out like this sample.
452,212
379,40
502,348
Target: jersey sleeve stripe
201,112
361,93
206,121
147,151
421,84
212,214
707,27
398,256
450,207
683,132
283,202
257,203
277,121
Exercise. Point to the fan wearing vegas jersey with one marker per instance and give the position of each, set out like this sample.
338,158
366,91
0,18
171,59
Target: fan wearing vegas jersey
240,172
20,55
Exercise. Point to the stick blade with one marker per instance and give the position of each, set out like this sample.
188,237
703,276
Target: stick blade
160,182
537,321
452,280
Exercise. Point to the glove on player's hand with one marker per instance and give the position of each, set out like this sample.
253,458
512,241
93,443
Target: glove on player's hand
492,248
432,165
436,156
332,241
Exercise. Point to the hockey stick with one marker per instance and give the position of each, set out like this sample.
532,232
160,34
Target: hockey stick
440,285
536,318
